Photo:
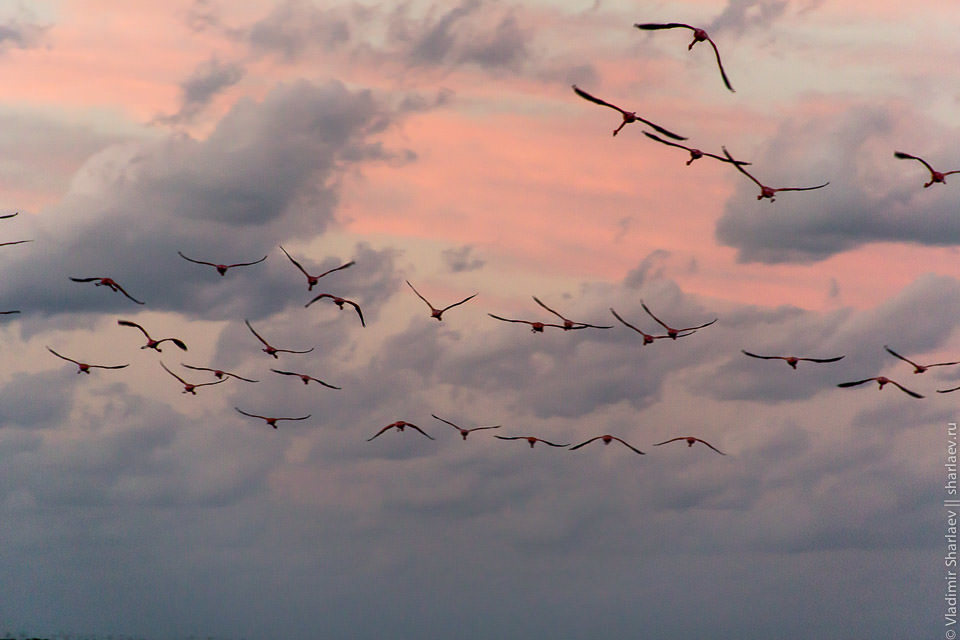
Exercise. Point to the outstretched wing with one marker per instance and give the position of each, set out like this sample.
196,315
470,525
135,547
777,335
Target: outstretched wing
457,304
823,359
252,330
124,292
247,264
897,355
905,390
128,323
180,253
583,444
62,357
655,26
907,156
628,445
586,96
854,383
723,73
819,186
739,166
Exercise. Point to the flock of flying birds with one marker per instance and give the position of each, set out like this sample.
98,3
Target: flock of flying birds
536,326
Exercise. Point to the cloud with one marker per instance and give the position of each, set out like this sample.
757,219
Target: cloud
462,259
207,81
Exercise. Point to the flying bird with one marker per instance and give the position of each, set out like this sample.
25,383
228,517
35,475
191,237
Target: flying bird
881,380
340,302
699,35
695,154
536,327
271,350
218,373
463,432
690,441
107,282
399,425
765,191
791,360
304,377
935,176
647,337
917,368
628,116
532,440
222,268
270,421
570,324
151,343
187,387
83,367
312,280
607,439
675,333
434,312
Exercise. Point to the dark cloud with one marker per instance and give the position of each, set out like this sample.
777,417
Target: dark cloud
293,26
462,259
870,198
207,81
21,35
740,16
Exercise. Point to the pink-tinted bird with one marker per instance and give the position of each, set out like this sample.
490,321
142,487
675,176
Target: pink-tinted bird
83,367
337,300
699,35
647,337
464,432
151,343
791,360
765,191
270,421
218,373
400,425
306,379
269,349
536,327
607,439
935,176
695,154
918,368
881,380
107,282
532,440
570,324
628,116
313,280
222,268
434,312
188,387
690,440
675,333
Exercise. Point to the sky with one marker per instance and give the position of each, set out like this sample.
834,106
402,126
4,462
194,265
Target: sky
441,143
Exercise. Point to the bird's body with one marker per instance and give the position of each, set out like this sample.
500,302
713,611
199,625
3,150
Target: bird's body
628,116
109,283
536,327
151,343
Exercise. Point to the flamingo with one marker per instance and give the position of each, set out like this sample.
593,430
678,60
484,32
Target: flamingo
434,312
151,343
647,338
270,421
690,441
271,350
917,368
935,176
675,333
218,373
532,440
791,360
340,302
765,191
536,327
399,425
107,282
881,380
570,324
222,268
463,432
695,154
312,280
628,116
187,387
699,35
607,439
83,367
304,377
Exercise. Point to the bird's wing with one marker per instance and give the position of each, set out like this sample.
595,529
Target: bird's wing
62,357
297,264
173,374
247,264
585,443
177,341
552,444
699,327
823,359
128,323
456,304
667,142
3,244
104,366
508,319
666,132
419,295
615,315
586,96
897,355
359,312
180,253
84,279
252,330
819,186
659,321
670,440
286,373
753,355
711,446
447,421
855,382
413,426
723,73
628,445
343,266
322,295
907,156
905,390
124,292
739,166
252,415
378,433
654,26
295,351
540,302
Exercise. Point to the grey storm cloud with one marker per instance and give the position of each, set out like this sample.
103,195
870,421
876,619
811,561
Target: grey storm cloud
462,259
208,80
268,172
872,196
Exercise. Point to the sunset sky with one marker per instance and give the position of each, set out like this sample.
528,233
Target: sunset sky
442,143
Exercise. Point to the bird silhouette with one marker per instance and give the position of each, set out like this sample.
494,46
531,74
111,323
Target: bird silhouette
648,338
690,440
151,343
434,312
188,387
83,367
765,191
607,439
628,116
695,154
222,268
400,425
270,349
675,333
304,377
881,381
935,176
917,368
311,279
463,432
270,421
570,324
337,300
791,360
699,35
107,282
